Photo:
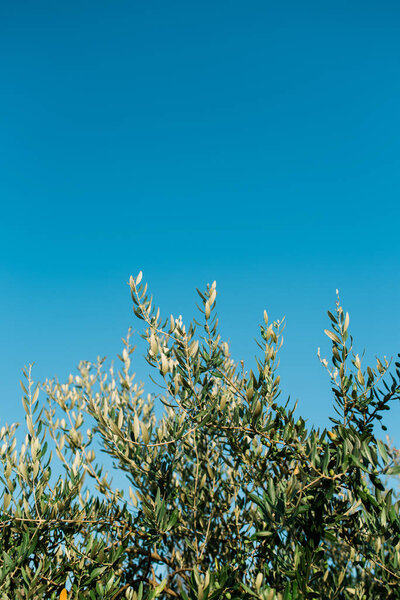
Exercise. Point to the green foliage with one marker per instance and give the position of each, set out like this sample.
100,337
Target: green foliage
230,495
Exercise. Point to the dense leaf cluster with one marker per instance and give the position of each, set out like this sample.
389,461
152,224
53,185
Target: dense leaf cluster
230,494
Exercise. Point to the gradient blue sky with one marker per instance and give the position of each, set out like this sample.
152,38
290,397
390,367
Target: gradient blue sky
255,143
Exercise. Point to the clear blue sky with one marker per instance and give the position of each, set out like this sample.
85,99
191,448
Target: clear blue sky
256,143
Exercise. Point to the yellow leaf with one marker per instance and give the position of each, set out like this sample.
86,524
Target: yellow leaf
332,335
145,433
153,344
164,364
136,426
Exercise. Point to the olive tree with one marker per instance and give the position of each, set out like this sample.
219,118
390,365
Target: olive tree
228,494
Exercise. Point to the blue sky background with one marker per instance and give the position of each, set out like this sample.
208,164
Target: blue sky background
255,143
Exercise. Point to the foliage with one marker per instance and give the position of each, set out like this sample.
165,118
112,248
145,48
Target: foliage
230,495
